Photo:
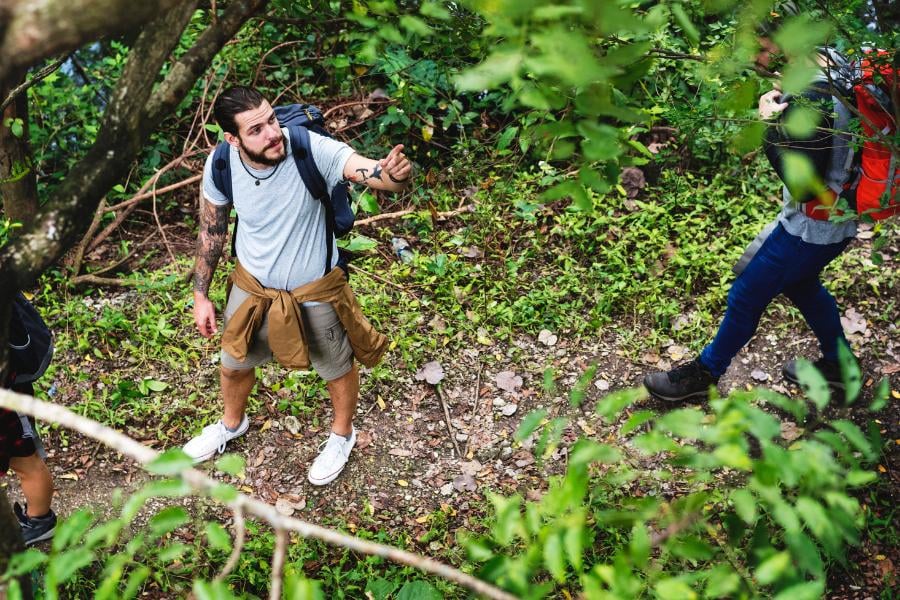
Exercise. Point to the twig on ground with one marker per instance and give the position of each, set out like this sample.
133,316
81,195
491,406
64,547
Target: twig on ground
474,408
437,391
78,260
281,540
159,226
240,534
94,280
402,213
357,103
200,482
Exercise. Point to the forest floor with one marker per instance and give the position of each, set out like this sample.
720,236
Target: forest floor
412,474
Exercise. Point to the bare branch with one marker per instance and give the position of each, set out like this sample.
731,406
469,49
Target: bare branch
281,540
407,211
240,534
200,482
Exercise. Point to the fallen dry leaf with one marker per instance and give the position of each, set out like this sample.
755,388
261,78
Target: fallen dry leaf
508,381
399,452
432,372
853,322
790,431
363,439
547,337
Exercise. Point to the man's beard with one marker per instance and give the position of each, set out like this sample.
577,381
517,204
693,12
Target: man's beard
261,158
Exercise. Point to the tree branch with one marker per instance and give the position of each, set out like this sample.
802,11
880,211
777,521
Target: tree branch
31,81
200,482
37,29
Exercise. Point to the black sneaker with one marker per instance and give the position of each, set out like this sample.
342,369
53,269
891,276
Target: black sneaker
35,529
831,371
687,382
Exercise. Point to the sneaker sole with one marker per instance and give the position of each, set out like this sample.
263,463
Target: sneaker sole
695,396
836,387
42,538
326,480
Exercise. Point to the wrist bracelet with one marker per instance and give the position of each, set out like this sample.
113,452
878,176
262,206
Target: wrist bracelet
391,177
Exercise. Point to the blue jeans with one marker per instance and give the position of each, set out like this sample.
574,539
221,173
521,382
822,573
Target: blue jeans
785,264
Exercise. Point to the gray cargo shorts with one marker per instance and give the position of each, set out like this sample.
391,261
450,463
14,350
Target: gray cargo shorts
329,349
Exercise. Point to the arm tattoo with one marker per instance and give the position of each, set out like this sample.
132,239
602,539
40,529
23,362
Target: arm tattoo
210,243
364,173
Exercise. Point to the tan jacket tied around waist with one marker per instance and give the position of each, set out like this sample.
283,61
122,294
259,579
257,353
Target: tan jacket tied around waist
286,336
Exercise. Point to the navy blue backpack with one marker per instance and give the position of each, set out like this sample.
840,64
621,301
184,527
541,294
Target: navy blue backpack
300,119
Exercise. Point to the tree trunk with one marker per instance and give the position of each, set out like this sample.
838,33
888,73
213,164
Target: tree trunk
18,183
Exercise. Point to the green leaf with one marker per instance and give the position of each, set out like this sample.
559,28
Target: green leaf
850,372
881,395
508,519
813,383
298,587
212,590
497,69
810,590
636,420
172,552
167,520
231,464
681,17
614,403
135,579
415,25
223,493
531,422
17,127
674,589
155,386
66,564
748,138
573,540
554,560
686,423
744,505
805,553
601,141
171,462
72,529
380,588
435,10
855,436
639,545
799,35
217,536
358,243
801,122
797,77
721,582
24,562
418,590
734,456
579,390
857,478
773,568
588,451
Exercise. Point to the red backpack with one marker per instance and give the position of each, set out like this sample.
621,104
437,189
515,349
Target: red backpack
877,173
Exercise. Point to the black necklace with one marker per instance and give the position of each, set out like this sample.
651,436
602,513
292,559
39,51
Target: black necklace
258,179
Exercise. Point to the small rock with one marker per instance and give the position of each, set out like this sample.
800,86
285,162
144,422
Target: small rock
602,385
498,402
759,375
291,423
509,410
447,489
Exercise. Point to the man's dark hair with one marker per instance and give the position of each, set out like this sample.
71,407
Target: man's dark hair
232,101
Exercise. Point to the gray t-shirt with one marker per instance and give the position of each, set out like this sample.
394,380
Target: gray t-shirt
281,237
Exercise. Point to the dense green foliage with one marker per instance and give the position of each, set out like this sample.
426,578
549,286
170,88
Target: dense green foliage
529,111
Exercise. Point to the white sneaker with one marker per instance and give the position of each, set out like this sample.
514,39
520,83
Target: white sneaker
331,460
212,440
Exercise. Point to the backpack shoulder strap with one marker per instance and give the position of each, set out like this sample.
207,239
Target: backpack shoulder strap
221,170
314,182
309,172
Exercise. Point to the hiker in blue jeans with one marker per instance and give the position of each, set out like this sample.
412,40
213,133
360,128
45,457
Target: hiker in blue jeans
790,259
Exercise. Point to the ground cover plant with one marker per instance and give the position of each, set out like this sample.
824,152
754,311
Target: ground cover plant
566,235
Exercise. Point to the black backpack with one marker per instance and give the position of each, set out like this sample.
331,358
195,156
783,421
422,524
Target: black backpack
30,343
300,119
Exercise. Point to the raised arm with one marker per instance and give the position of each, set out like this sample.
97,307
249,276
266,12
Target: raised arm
393,173
210,244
